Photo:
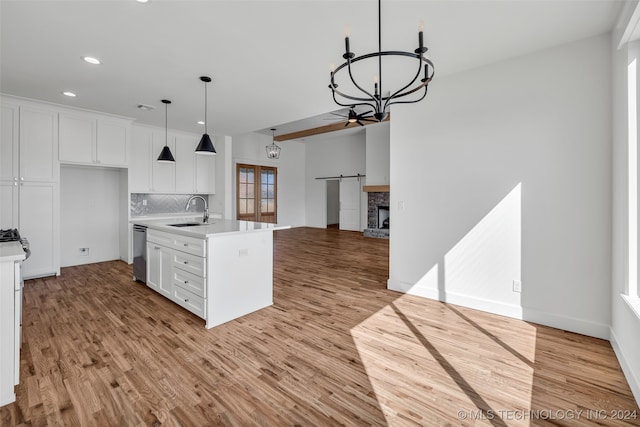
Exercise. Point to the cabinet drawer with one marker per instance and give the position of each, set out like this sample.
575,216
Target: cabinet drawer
191,302
190,263
190,282
187,244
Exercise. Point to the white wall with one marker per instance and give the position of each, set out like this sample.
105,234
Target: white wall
90,214
377,156
504,173
250,148
330,156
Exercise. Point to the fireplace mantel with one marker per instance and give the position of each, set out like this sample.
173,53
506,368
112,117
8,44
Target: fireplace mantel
375,188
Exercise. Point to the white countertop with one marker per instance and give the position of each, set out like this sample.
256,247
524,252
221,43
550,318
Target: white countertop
11,251
215,227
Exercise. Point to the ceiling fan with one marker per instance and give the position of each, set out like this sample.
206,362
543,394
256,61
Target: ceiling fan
354,117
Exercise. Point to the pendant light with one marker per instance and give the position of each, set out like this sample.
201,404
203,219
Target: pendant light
165,154
273,151
205,146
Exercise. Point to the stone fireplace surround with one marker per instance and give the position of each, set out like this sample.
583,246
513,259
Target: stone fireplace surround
374,229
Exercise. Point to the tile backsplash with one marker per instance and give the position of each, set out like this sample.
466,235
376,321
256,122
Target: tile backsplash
150,204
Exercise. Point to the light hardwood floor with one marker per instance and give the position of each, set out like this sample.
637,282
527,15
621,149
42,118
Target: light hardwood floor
335,348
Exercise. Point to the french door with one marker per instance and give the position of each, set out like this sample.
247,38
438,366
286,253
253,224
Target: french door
256,193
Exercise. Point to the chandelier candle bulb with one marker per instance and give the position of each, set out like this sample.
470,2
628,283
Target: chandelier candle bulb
346,44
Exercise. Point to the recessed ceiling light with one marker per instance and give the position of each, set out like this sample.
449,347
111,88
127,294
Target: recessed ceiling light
142,1
69,94
91,60
200,122
146,107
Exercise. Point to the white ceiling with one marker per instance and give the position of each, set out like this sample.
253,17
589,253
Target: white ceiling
269,60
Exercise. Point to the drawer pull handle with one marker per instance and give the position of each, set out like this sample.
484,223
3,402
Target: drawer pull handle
156,247
186,262
186,244
186,282
186,300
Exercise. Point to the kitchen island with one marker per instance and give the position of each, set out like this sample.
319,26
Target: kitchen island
219,270
11,256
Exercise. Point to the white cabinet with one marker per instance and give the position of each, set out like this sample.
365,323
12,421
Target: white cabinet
159,269
38,200
176,268
112,143
38,145
29,188
93,140
9,173
10,331
141,158
189,174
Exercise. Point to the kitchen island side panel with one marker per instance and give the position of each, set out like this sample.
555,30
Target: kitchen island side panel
240,275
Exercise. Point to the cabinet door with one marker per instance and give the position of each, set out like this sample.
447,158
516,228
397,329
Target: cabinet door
163,174
140,170
37,224
38,144
112,145
205,174
185,164
166,273
9,143
154,266
77,137
8,204
159,269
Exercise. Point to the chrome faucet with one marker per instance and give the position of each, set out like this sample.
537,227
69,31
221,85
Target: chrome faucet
205,217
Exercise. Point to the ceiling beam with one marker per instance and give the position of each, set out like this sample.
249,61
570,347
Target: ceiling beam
322,129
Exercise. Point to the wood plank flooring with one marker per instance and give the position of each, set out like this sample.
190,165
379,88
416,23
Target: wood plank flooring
335,348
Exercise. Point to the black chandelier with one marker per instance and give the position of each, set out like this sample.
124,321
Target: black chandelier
377,101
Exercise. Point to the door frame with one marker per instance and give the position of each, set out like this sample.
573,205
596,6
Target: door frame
257,190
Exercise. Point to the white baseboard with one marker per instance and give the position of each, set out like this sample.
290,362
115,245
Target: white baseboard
481,304
632,379
580,326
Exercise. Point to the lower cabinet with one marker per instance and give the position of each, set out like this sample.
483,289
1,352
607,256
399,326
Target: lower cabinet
177,274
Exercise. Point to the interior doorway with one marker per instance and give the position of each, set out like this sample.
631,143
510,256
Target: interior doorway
333,203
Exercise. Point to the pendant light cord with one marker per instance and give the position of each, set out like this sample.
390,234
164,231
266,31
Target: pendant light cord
205,108
166,124
380,47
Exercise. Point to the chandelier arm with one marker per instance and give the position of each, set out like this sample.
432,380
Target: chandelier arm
399,93
360,88
361,101
413,100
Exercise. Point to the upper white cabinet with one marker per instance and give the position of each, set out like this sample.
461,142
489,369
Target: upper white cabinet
189,174
38,142
29,188
93,140
141,158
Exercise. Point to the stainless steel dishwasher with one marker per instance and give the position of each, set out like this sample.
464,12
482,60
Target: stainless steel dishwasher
140,253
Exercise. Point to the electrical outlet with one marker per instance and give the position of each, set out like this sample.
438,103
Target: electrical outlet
84,251
517,286
144,202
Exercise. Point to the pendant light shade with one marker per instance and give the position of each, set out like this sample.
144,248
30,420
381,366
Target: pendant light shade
206,145
165,155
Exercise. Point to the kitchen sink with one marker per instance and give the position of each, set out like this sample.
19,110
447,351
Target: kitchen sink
187,224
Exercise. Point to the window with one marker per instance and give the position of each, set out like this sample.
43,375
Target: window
256,193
